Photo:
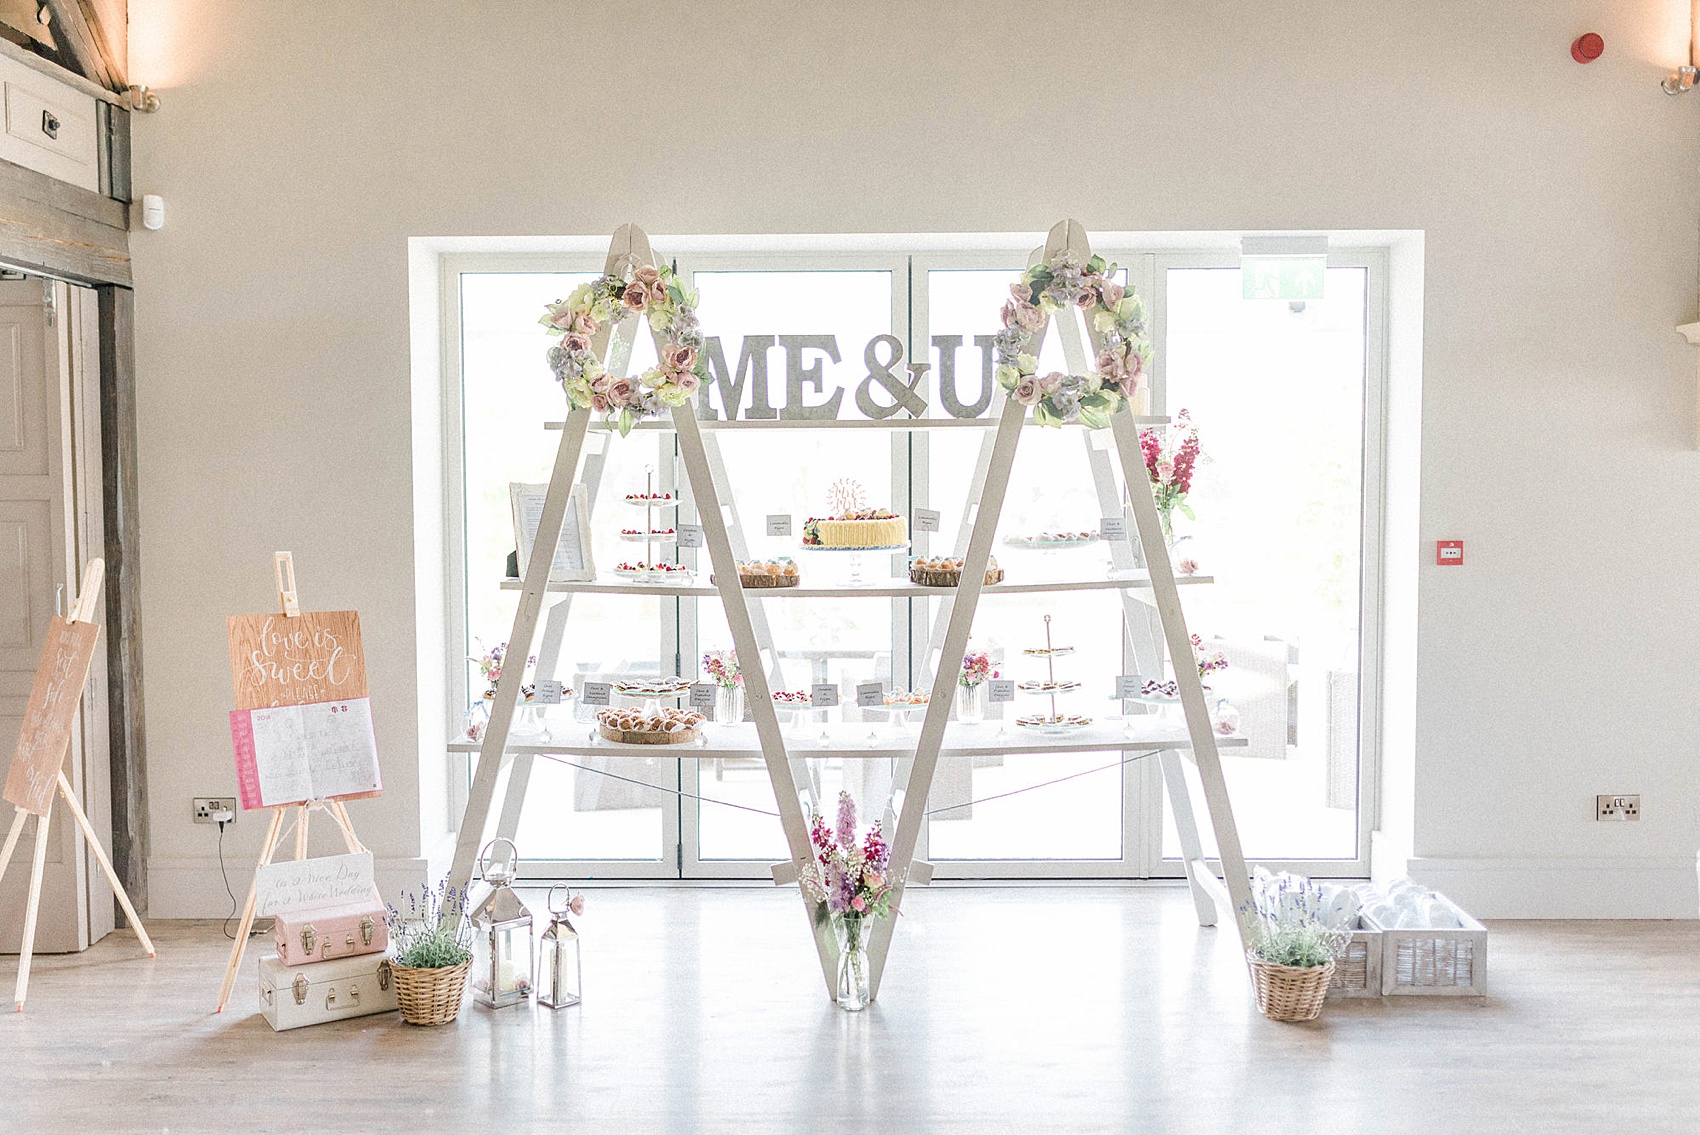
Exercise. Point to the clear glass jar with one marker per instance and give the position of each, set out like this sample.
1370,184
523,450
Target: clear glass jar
852,962
971,703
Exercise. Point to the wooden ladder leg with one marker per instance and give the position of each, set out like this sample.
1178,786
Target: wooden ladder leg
105,864
241,943
12,835
37,868
1186,827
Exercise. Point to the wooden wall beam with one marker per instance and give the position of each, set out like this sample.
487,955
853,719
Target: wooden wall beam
57,229
117,308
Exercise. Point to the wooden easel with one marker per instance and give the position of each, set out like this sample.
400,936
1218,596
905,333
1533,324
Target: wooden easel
283,565
82,611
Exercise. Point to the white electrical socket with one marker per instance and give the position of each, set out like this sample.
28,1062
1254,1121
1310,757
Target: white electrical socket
206,806
1618,806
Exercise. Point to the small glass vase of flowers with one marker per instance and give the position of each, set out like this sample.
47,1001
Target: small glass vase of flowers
851,880
971,695
1171,456
721,666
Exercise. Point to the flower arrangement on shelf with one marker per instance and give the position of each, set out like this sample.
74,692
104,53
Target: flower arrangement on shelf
1209,661
654,291
722,667
1171,455
1114,315
490,666
976,669
851,879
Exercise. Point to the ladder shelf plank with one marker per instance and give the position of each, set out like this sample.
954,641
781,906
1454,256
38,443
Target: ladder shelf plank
896,589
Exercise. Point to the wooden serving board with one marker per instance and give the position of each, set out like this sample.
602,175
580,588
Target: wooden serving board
950,578
632,737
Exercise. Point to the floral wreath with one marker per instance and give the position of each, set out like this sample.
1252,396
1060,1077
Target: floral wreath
653,291
1115,315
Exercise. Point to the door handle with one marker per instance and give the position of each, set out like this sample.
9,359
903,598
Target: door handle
59,601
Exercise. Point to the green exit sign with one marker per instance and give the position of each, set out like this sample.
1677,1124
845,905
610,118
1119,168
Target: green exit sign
1282,277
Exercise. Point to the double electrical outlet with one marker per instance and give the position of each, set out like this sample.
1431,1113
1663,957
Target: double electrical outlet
209,808
1623,806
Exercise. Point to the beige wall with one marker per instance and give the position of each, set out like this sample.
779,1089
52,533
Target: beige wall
1559,203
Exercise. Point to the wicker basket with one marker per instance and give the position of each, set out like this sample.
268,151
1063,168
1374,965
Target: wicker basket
1289,993
637,737
430,996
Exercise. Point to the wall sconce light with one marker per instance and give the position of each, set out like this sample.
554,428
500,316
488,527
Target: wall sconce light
1683,78
143,100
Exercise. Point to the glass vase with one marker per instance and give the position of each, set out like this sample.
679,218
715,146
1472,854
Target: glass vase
729,705
852,963
475,721
971,703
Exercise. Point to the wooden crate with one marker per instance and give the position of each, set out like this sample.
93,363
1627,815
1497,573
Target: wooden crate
1357,973
1434,962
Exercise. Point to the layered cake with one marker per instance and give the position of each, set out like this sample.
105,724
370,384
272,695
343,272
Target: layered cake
858,528
853,524
946,571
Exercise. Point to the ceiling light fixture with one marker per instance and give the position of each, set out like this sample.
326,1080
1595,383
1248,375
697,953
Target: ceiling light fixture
1683,78
143,100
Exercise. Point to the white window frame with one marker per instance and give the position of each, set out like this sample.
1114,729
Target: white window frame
910,259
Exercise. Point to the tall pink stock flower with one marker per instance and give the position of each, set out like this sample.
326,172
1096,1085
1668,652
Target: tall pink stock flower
846,821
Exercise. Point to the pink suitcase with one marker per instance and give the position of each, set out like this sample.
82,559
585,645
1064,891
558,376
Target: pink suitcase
315,934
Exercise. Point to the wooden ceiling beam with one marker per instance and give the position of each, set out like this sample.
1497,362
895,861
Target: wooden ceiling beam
78,31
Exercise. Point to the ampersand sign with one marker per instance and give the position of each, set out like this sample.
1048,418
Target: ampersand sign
905,395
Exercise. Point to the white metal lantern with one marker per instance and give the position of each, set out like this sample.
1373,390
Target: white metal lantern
501,941
560,971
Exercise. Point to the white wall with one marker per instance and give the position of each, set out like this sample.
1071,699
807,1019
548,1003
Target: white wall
297,155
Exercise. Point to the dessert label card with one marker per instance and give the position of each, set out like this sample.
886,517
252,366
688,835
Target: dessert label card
290,754
1113,528
690,536
870,695
824,695
702,695
779,524
926,520
49,714
598,693
1000,689
1129,686
313,657
549,692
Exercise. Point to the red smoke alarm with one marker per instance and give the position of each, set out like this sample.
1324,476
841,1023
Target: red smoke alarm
1587,48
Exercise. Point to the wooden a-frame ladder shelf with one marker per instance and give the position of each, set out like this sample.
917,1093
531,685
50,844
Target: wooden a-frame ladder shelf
1151,611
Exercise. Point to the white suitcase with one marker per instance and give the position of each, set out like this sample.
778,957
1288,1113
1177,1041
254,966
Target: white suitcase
293,996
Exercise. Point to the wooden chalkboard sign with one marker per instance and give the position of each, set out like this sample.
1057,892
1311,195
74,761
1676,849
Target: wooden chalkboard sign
314,657
38,764
50,714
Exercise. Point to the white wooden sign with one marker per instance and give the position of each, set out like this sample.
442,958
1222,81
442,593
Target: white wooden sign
325,881
573,561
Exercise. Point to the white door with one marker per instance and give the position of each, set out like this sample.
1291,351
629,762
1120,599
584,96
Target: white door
50,525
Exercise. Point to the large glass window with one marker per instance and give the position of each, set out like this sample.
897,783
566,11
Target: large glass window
1284,395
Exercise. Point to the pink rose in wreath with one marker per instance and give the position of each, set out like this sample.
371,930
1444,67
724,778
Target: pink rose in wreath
599,402
1051,383
635,297
1129,385
620,392
584,324
1113,293
1027,391
1088,297
680,357
647,275
688,382
1111,364
562,319
1028,317
573,341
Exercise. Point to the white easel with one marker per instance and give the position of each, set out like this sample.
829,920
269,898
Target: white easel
283,566
82,611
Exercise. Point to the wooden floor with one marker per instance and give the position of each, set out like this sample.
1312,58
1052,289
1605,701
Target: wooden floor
1023,1010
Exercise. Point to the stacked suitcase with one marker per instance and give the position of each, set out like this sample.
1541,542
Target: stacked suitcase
332,963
